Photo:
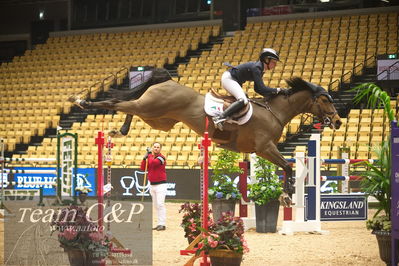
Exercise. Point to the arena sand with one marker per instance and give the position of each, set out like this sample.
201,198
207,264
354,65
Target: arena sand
348,243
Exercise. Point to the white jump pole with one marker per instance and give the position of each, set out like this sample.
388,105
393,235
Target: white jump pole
306,167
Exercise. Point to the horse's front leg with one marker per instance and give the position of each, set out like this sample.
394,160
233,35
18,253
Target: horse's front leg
124,128
270,152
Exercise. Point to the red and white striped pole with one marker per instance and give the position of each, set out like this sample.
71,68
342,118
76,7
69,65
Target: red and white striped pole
100,178
205,143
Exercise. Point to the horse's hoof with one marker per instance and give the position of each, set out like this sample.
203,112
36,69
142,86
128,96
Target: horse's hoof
115,134
285,200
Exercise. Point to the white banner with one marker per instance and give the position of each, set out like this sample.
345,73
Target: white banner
67,156
138,77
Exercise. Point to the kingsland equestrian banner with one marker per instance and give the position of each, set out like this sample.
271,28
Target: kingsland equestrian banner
345,207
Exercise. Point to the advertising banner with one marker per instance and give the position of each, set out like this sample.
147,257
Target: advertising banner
345,207
182,184
86,177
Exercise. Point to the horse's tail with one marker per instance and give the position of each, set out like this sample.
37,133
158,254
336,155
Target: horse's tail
159,75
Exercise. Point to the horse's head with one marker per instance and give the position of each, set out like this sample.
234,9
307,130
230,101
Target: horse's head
322,103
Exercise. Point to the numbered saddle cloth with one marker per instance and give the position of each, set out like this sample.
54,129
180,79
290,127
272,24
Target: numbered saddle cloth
214,106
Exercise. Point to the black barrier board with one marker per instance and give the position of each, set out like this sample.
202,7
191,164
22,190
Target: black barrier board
183,184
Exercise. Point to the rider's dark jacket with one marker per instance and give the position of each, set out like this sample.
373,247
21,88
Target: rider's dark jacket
252,71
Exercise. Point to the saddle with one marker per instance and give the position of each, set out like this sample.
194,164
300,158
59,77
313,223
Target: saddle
227,101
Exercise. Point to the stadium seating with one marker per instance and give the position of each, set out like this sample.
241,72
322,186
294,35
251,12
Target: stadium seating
34,87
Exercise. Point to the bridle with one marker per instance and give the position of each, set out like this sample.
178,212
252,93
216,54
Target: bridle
326,117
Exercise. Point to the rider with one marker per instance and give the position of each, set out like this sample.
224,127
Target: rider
233,79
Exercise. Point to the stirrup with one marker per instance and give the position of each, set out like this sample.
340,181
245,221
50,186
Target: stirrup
218,121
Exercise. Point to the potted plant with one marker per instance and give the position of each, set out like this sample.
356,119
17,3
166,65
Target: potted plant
224,241
84,243
224,193
192,218
376,182
377,178
265,193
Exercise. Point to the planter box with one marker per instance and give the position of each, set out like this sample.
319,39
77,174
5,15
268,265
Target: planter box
267,216
222,205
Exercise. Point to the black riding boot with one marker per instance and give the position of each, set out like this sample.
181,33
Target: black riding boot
233,108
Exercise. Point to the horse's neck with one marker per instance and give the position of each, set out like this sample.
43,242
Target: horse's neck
286,108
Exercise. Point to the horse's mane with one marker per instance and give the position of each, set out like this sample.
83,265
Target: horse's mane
159,75
298,84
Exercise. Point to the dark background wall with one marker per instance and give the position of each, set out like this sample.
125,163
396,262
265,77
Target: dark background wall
16,19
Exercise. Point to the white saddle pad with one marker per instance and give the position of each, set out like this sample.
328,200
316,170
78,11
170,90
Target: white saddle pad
214,107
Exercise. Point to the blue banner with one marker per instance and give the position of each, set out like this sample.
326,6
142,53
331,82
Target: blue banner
86,177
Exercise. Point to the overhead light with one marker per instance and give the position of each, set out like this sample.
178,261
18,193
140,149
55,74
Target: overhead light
41,14
324,1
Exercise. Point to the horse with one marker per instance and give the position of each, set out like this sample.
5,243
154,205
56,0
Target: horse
164,104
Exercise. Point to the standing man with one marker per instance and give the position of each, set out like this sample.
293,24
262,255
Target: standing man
155,163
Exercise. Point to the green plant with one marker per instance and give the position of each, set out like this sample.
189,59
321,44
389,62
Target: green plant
267,186
76,231
223,187
377,178
191,221
227,233
376,182
379,223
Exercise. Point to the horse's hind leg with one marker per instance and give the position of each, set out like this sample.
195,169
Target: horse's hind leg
271,153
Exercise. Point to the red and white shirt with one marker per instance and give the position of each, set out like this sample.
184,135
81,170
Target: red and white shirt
156,168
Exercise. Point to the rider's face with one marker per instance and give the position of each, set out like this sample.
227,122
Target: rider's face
272,64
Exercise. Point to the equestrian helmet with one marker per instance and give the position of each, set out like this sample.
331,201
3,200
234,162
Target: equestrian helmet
268,53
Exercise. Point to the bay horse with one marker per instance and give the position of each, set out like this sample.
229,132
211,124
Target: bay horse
163,105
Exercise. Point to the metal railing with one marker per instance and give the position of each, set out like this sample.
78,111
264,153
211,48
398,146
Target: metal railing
104,81
347,76
388,71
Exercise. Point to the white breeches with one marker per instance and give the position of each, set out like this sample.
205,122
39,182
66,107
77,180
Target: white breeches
232,86
158,194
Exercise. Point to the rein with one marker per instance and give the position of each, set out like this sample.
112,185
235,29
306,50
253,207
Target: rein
267,107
